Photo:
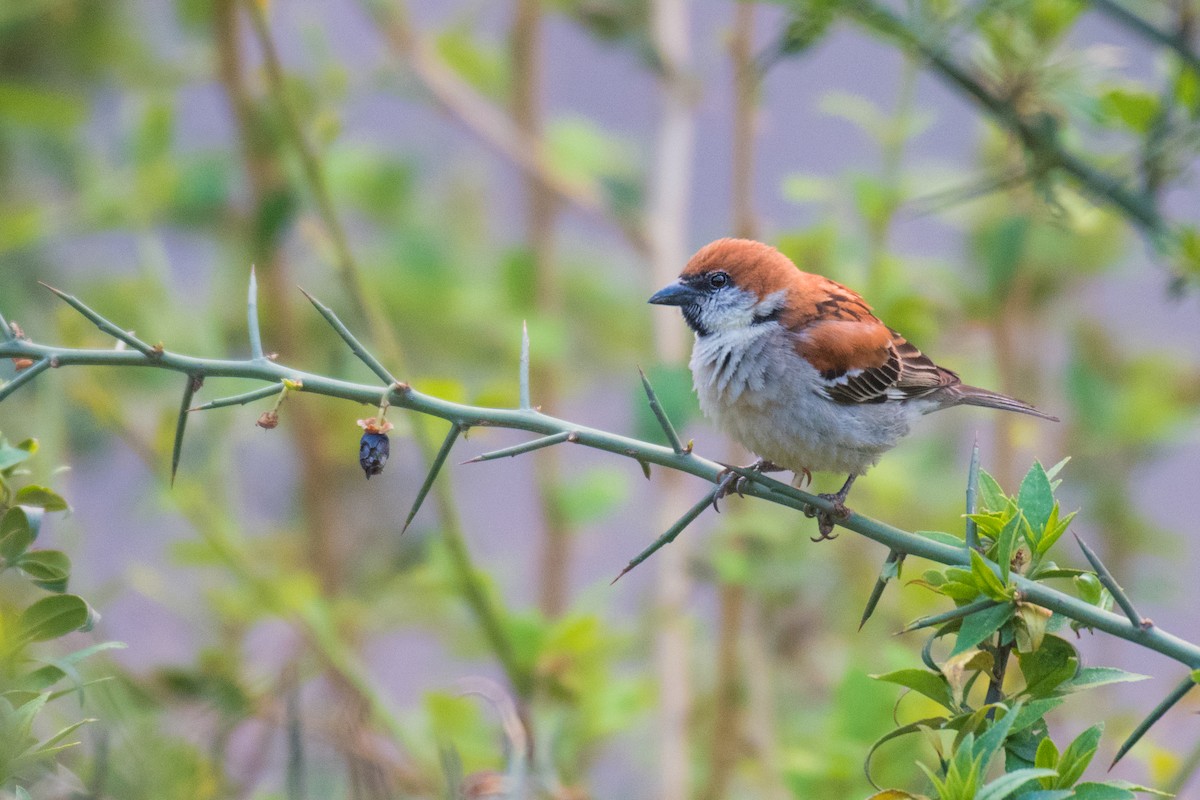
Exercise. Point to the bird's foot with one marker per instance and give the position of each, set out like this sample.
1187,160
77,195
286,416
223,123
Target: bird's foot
827,519
803,478
730,479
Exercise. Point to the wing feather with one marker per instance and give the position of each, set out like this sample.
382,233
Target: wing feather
864,361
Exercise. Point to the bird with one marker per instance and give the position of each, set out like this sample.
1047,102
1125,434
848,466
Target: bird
799,370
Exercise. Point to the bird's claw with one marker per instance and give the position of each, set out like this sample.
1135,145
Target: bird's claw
731,479
827,519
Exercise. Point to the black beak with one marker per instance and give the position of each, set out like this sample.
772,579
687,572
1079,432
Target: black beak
677,294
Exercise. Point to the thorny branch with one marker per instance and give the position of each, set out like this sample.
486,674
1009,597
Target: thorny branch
464,416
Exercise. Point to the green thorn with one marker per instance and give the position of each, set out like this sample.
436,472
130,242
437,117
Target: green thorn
1159,710
241,399
526,447
894,557
661,415
434,469
1110,583
672,532
524,375
194,382
23,377
982,604
256,348
348,338
104,325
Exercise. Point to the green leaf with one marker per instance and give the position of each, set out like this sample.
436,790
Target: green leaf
985,579
993,740
1077,756
41,497
992,499
12,456
1052,664
48,568
1102,791
981,625
1091,677
1047,794
1047,756
1008,783
1134,108
942,537
55,616
930,684
1036,498
16,533
1054,530
1006,544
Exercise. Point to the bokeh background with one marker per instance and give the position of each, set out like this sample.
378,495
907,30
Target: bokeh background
439,172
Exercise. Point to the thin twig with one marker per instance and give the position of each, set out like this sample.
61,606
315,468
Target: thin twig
1146,30
314,172
488,123
6,332
1039,140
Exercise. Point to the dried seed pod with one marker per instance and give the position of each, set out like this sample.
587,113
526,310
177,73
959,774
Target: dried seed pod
373,452
374,448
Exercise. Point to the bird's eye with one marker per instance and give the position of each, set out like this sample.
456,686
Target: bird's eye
717,280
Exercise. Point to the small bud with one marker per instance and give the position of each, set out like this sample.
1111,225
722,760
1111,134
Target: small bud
22,363
268,420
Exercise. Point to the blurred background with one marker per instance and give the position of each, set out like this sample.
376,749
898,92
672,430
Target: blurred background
1009,184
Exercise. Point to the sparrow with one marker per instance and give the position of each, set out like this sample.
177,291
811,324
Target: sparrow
797,368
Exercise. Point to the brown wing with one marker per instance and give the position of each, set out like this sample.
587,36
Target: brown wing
864,361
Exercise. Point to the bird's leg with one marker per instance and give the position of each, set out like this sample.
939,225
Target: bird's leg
825,519
729,481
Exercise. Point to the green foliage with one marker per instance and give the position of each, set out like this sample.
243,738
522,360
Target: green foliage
26,687
1003,729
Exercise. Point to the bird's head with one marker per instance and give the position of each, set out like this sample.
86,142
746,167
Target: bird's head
731,284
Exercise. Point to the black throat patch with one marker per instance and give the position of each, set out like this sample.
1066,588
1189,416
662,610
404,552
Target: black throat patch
691,315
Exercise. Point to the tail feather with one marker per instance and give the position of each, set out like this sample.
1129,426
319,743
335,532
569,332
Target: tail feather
974,396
